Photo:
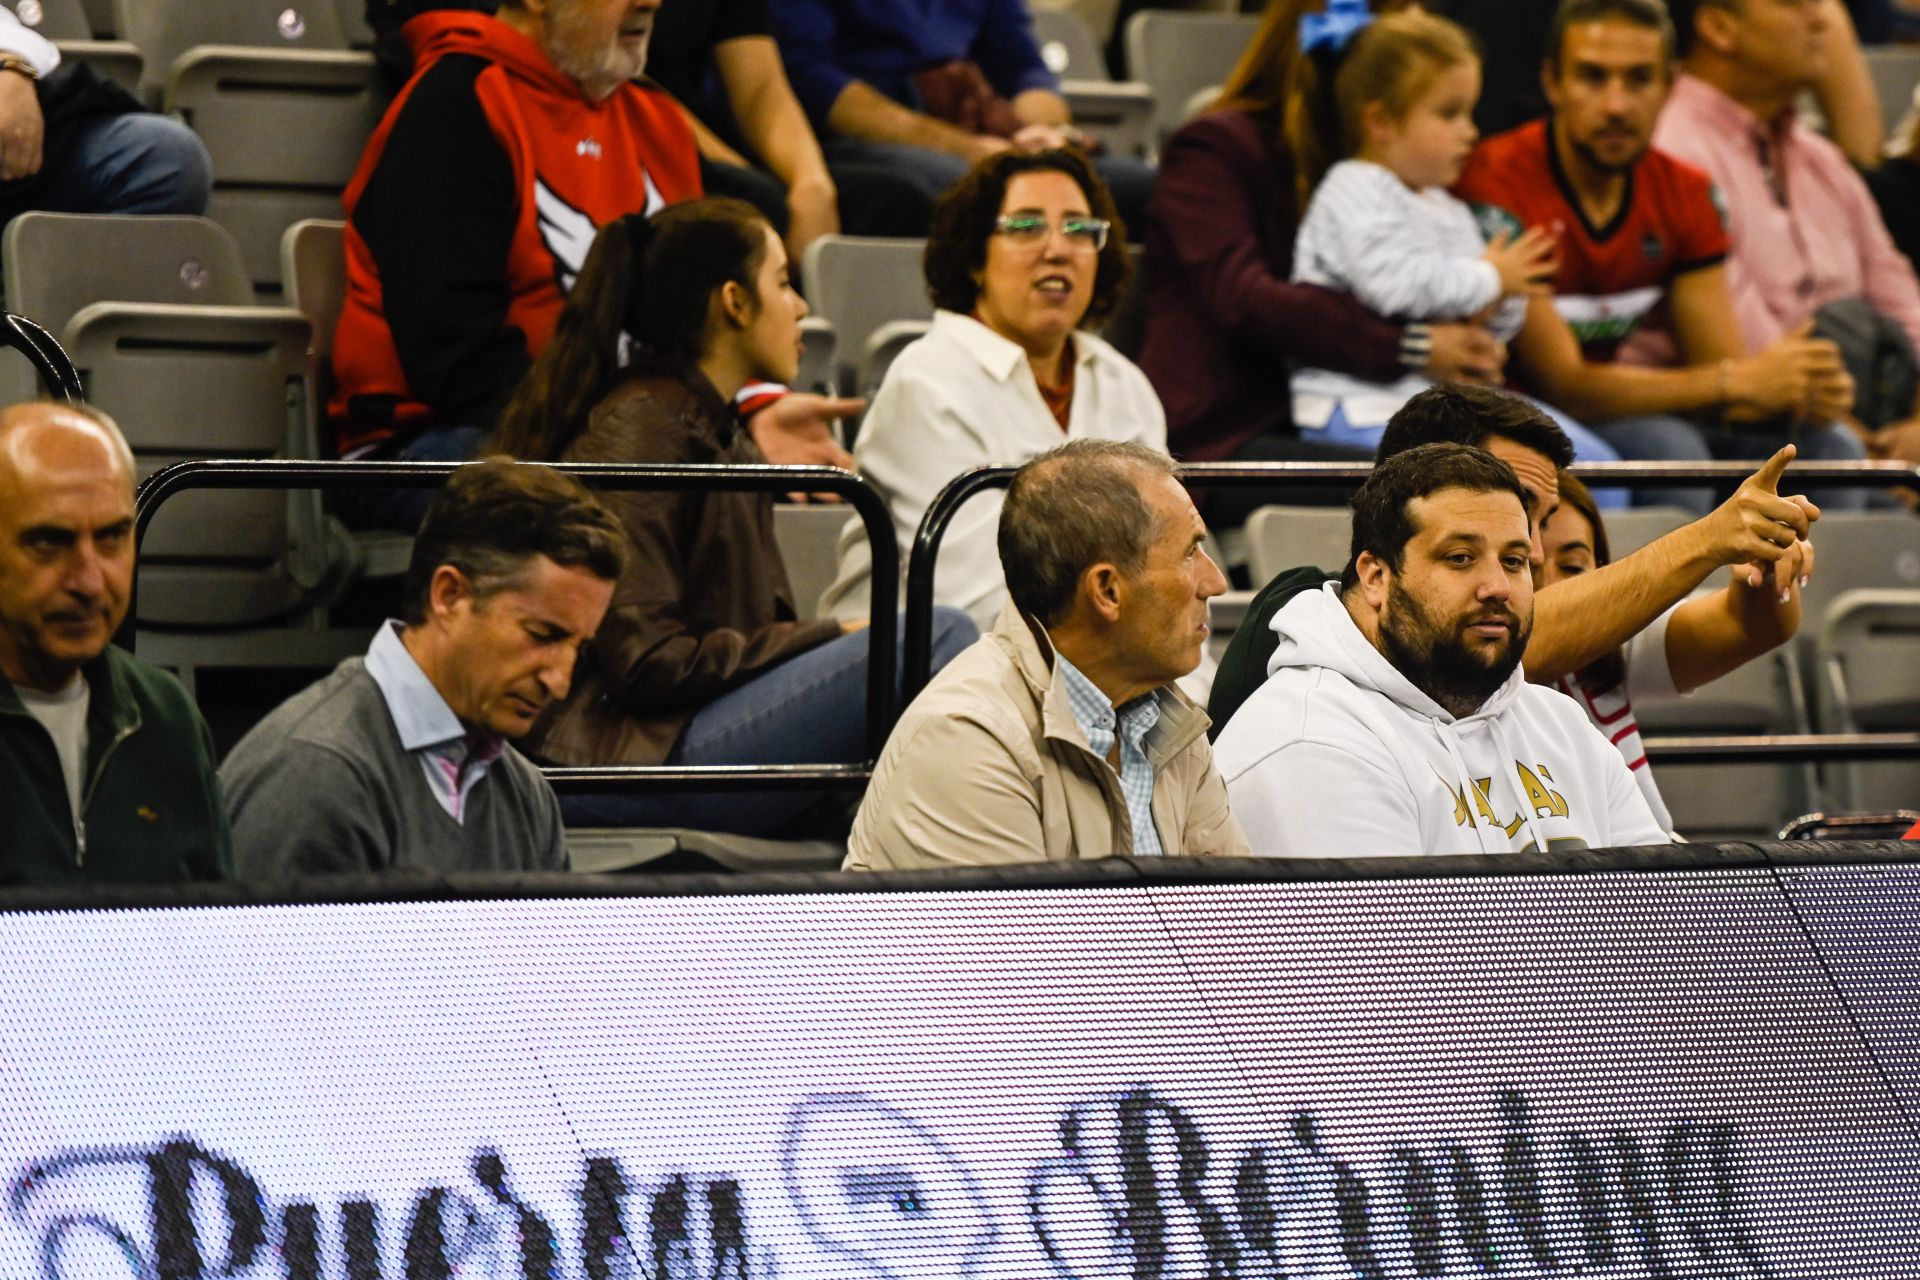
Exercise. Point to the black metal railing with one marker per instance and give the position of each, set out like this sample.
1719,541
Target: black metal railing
867,505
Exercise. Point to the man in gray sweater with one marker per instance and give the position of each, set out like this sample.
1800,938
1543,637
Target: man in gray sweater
400,760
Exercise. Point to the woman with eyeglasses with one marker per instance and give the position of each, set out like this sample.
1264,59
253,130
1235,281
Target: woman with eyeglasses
1023,250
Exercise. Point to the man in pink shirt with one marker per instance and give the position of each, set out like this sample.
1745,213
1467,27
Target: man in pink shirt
1805,230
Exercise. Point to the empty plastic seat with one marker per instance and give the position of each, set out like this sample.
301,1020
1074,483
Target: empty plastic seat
1119,113
1896,73
1634,528
1734,801
1868,660
861,282
809,538
1283,538
1180,54
284,108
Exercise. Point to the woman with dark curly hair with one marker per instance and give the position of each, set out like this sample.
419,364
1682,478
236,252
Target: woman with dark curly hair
1024,250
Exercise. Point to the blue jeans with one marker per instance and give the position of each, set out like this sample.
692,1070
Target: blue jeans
137,163
1128,178
402,510
1657,438
1660,438
811,708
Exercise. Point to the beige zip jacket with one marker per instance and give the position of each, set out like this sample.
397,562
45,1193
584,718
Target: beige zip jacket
989,766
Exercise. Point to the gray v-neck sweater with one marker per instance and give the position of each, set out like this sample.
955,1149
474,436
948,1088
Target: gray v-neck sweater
323,785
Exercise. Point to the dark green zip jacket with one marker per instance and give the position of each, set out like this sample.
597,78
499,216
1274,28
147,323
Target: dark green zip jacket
152,808
1243,667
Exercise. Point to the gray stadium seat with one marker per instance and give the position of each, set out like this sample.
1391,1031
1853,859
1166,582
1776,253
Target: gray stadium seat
100,17
1856,550
1282,538
1896,73
861,282
1735,801
65,22
284,108
809,538
313,263
884,346
164,30
819,365
1179,54
1868,660
1119,113
156,313
1634,528
353,21
285,131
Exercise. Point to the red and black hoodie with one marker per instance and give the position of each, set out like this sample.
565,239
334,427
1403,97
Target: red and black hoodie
470,215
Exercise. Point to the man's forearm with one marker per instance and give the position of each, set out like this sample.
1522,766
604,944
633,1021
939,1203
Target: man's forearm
1041,106
1586,617
861,111
766,110
1602,393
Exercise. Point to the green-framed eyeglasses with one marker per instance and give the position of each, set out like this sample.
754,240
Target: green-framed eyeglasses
1089,235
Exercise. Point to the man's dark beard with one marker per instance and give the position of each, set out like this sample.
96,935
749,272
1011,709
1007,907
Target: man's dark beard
1439,661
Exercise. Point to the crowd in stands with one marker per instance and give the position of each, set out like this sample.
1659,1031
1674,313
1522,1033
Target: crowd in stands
574,237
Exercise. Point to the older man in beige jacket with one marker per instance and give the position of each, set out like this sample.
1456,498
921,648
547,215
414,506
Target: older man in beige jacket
1060,735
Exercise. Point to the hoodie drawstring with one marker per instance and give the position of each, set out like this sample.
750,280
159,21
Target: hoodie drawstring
1526,802
1444,732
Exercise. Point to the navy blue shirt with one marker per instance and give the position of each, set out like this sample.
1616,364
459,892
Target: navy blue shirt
828,44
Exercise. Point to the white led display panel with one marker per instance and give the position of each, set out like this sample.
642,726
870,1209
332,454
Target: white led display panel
1608,1075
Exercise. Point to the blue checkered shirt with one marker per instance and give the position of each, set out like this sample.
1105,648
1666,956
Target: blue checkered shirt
1096,717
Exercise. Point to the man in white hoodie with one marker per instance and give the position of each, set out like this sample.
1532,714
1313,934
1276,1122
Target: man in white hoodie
1396,718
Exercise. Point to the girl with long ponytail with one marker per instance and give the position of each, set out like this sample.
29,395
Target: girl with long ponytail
702,658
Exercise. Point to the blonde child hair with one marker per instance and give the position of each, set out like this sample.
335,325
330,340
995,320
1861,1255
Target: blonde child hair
1392,61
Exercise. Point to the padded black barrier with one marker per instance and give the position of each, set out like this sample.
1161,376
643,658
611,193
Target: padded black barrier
917,651
883,621
1664,1062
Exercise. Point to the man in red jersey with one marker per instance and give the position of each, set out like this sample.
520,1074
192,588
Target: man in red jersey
1639,339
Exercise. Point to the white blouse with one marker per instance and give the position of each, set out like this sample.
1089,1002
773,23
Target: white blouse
965,397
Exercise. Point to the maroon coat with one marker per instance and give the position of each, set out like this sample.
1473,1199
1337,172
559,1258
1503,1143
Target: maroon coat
1223,318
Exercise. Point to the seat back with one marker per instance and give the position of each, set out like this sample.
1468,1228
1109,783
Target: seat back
165,30
1860,550
1283,538
1733,801
285,131
313,264
809,539
884,346
54,19
819,361
1867,657
57,263
156,314
860,283
1068,46
1635,527
1180,54
1896,73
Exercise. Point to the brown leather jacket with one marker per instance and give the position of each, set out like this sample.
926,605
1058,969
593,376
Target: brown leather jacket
704,605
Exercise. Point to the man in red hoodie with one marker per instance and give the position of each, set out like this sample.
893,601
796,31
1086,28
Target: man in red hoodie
473,208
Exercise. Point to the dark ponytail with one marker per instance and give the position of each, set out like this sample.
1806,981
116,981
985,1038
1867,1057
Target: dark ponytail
650,279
